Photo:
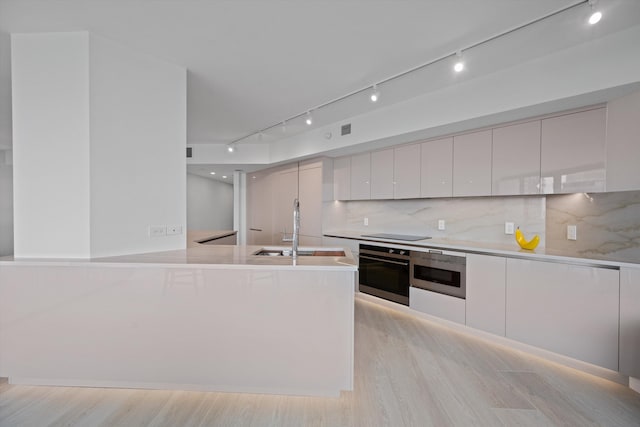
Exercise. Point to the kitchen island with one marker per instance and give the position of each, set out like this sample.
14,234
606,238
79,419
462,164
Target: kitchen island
213,318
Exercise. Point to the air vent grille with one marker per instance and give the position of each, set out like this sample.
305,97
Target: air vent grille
189,152
345,129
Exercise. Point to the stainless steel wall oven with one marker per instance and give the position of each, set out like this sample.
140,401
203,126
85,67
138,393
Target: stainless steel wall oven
384,272
440,271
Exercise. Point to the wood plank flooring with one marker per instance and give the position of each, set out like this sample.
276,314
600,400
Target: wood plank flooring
408,372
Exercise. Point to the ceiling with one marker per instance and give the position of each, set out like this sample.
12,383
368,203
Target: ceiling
252,64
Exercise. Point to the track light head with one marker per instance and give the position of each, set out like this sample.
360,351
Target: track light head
459,65
596,15
375,94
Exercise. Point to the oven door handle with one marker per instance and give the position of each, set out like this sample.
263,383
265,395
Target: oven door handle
384,260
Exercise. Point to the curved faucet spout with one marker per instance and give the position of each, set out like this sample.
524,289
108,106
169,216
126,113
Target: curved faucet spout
296,228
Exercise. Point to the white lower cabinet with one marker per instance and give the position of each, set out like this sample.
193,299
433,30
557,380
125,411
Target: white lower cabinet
630,322
568,309
439,305
486,293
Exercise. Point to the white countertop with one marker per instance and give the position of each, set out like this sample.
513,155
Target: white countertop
513,251
206,256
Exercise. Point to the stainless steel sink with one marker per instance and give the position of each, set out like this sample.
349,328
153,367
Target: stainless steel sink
303,251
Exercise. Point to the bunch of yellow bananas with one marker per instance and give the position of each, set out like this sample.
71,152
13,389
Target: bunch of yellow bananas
527,244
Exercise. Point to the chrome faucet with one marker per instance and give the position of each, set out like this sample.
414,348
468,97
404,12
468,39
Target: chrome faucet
296,228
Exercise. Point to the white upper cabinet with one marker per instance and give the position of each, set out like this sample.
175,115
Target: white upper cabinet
406,172
342,178
472,164
437,168
516,159
361,177
623,143
573,152
381,174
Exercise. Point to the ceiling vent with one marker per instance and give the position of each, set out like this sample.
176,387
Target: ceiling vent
346,129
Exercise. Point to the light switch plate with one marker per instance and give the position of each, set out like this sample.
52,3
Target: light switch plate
508,228
572,232
174,229
441,225
157,230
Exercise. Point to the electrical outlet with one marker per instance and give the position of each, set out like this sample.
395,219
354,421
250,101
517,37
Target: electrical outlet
572,232
174,229
157,230
441,225
508,228
366,221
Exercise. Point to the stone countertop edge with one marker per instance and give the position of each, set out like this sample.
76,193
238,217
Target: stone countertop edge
206,257
490,249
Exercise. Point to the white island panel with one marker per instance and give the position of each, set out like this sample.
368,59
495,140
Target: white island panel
168,327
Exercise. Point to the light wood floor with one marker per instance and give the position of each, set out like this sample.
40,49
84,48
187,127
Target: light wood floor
408,372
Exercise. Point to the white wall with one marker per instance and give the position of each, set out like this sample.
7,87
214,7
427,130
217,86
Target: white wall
50,94
209,204
138,140
98,138
6,203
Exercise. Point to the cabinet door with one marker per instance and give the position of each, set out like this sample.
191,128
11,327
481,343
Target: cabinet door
439,305
630,322
516,159
436,171
259,209
486,292
361,177
342,178
572,158
568,309
382,174
472,164
310,196
623,143
406,172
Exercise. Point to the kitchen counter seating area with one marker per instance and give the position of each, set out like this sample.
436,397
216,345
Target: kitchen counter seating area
213,318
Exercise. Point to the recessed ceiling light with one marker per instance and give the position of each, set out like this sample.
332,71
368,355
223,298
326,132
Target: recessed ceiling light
230,148
309,119
212,173
224,176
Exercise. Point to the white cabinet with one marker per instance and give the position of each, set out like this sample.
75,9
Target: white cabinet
342,178
310,197
284,190
567,309
573,152
623,143
259,209
406,172
516,159
439,305
630,322
436,176
486,291
382,174
361,177
472,164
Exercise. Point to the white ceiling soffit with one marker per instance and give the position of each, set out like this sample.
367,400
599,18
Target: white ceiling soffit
255,63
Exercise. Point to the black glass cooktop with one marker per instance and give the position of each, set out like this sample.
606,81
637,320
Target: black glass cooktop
407,237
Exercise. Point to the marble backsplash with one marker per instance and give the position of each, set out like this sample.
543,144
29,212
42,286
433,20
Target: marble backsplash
608,224
476,219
